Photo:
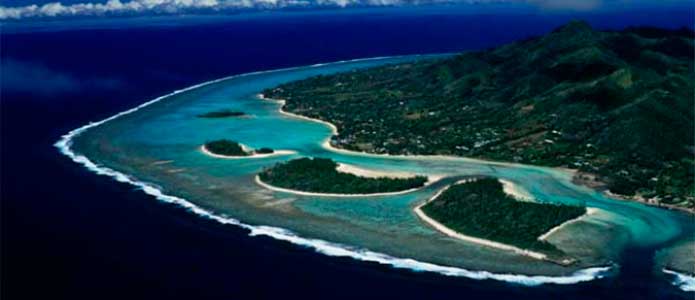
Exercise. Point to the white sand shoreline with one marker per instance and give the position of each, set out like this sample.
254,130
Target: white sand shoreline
258,181
454,234
347,168
334,131
514,190
589,211
509,187
328,248
254,155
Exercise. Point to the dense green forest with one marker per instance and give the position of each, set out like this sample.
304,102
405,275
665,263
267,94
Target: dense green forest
320,175
226,147
225,113
263,150
482,209
232,148
614,104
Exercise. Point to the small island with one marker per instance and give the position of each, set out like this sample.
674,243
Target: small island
225,113
225,148
481,209
321,175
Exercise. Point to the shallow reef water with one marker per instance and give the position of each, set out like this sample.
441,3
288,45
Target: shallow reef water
156,147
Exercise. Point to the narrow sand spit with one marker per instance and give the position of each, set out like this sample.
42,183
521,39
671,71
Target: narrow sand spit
296,192
161,162
589,211
254,155
345,168
512,189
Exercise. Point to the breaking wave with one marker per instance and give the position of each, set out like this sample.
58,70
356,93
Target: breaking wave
683,281
320,246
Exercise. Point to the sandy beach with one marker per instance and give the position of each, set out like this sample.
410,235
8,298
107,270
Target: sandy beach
296,192
509,187
345,168
572,173
334,131
451,233
254,155
589,211
514,190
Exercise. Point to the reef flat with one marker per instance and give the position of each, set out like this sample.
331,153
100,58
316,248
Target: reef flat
380,229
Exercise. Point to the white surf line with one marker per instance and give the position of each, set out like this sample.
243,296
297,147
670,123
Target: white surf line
454,234
254,155
683,281
324,247
589,211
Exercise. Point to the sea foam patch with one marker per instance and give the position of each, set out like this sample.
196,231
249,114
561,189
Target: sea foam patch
320,246
683,281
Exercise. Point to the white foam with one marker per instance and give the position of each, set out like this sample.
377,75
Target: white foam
683,281
321,246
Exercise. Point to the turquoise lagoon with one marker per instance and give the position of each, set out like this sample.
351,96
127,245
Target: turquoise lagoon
159,144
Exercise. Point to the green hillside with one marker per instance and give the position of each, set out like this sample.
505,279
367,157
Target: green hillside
615,104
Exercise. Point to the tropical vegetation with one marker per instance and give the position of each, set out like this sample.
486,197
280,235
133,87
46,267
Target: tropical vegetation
321,176
616,105
226,147
482,209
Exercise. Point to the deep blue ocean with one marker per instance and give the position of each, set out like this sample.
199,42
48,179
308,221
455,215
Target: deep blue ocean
69,234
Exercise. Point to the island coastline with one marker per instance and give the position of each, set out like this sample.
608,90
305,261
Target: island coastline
587,180
253,155
517,192
430,180
489,243
334,131
65,146
347,168
574,173
589,211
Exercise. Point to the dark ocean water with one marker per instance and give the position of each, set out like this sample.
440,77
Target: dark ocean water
69,234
